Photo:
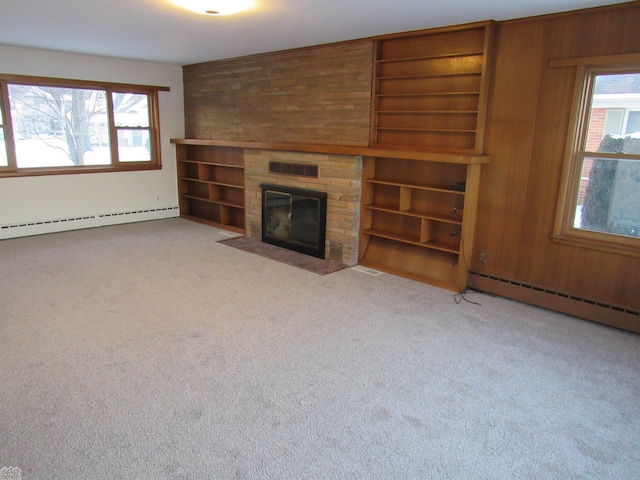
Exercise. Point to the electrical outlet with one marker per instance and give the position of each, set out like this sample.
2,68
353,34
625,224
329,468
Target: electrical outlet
157,197
482,256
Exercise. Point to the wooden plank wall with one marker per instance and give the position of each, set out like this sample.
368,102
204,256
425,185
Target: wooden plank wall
527,126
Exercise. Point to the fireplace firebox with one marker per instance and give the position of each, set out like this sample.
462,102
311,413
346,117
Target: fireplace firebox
294,218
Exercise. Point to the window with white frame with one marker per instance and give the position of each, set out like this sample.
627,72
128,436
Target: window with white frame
53,126
599,205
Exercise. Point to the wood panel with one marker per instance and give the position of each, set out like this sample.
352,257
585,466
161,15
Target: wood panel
527,129
501,201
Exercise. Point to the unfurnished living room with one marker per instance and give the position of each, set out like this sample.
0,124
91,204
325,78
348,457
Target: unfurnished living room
266,239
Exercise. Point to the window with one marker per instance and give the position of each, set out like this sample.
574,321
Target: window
54,126
599,205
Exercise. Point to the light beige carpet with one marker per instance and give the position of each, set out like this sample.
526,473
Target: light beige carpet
151,351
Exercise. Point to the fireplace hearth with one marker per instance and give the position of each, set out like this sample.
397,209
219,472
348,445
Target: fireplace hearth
294,218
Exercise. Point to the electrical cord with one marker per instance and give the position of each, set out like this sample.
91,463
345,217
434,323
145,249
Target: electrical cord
459,297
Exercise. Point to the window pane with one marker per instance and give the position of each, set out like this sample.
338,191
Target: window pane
134,145
613,96
609,198
55,127
609,194
3,150
633,123
131,109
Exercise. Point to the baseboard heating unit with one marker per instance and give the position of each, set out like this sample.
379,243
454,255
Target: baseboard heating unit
24,229
618,316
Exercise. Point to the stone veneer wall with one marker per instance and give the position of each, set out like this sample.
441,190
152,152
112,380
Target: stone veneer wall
311,95
338,175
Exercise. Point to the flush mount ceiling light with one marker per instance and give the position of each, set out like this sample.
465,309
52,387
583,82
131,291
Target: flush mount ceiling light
215,7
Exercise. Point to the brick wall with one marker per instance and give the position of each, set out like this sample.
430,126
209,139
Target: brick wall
338,175
313,95
596,128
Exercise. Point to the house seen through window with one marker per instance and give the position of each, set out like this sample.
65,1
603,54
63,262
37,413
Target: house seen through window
609,195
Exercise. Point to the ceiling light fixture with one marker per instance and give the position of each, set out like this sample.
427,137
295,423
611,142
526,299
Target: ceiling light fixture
215,7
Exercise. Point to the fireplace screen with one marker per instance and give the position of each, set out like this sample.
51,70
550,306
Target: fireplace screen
294,218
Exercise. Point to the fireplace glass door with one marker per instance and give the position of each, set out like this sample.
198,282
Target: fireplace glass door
294,219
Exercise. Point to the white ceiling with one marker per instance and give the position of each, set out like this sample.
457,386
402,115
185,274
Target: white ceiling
158,31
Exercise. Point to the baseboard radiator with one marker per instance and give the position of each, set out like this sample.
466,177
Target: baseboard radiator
618,316
39,227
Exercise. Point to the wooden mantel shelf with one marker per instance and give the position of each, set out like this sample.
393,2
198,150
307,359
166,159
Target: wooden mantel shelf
458,157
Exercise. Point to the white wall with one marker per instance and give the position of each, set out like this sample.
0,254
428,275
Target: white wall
33,205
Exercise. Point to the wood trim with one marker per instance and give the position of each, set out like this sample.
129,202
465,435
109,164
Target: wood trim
487,69
154,131
467,235
8,132
375,99
113,133
569,13
430,31
45,171
595,61
601,242
459,157
568,184
74,83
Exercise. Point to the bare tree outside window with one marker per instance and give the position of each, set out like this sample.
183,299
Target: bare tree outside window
55,126
59,126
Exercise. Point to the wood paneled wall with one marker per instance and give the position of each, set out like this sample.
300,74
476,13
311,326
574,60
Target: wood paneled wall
530,106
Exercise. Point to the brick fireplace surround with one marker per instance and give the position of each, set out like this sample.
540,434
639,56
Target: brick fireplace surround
338,175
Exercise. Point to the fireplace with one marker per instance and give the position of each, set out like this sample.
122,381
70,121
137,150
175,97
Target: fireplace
294,218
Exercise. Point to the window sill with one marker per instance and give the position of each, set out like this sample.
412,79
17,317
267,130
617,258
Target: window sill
623,247
39,172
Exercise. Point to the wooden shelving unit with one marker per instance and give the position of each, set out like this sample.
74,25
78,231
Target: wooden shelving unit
430,89
211,184
418,206
417,219
429,94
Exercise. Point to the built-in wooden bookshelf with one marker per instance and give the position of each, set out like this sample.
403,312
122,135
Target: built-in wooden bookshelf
417,218
418,207
429,94
430,89
211,184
